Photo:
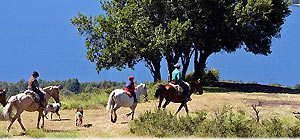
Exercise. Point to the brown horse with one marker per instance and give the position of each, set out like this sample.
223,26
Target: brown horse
23,102
169,93
3,97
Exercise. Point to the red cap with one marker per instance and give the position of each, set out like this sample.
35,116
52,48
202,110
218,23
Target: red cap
131,77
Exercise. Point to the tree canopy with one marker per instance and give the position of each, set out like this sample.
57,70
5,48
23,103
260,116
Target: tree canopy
152,30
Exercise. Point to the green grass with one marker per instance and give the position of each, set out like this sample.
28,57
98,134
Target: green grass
41,133
4,134
85,100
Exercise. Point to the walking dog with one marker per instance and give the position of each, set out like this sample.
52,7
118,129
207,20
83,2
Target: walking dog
78,116
52,109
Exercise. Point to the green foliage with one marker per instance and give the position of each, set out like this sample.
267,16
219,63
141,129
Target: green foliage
297,86
163,124
209,77
225,124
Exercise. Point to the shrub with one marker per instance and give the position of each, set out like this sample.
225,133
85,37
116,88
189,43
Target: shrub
209,77
225,123
297,86
164,124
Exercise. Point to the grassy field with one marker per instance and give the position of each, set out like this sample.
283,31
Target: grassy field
98,123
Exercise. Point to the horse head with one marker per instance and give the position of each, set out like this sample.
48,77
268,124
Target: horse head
196,85
53,91
143,89
3,97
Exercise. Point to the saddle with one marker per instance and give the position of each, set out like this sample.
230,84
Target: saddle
33,95
129,94
178,88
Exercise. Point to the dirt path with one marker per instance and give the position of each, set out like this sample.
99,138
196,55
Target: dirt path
279,105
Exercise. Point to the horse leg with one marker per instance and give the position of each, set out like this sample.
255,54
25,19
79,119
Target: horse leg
132,115
43,120
20,122
165,105
115,114
14,119
50,115
58,115
180,107
128,114
160,101
38,122
186,108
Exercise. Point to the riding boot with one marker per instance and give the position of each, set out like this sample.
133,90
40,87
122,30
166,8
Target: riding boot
135,100
134,97
42,104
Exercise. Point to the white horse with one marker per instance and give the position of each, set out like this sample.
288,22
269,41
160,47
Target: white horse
119,98
26,102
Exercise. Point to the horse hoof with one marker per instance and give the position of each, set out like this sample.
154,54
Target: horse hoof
113,120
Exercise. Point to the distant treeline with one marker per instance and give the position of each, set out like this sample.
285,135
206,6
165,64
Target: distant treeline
67,87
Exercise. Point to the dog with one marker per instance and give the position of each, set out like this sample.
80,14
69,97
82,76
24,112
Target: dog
78,116
52,109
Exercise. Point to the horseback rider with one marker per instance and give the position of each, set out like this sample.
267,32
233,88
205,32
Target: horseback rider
176,79
33,85
130,87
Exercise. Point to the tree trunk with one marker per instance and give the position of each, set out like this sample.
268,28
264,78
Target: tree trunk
200,65
156,73
154,68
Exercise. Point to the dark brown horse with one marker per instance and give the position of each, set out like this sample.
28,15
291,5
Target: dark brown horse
169,93
3,97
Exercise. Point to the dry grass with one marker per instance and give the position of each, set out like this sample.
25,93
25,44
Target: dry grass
270,105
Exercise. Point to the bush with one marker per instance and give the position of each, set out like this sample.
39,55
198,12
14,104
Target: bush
163,124
209,77
297,86
226,123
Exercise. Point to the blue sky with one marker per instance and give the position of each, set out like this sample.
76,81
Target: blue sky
38,35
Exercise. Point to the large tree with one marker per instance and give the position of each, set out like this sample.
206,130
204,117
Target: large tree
149,30
226,25
135,30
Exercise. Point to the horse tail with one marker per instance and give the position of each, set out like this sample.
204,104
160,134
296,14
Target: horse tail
160,89
7,110
110,101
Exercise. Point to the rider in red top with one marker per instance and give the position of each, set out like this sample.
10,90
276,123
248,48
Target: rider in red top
130,87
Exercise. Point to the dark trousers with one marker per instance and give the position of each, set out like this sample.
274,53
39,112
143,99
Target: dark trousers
41,95
134,95
185,88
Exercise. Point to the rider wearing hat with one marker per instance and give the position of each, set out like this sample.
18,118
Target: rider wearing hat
176,79
33,85
130,87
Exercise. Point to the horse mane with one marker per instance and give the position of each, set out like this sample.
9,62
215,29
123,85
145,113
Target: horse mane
141,84
159,89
